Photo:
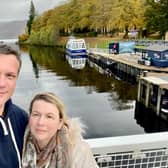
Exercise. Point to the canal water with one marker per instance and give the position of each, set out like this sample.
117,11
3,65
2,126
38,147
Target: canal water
105,104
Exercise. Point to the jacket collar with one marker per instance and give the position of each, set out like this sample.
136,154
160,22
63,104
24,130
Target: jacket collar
7,108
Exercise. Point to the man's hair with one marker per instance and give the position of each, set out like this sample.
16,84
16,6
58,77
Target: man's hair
8,50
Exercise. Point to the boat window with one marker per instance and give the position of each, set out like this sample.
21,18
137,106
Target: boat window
83,45
154,95
73,45
164,103
143,93
165,56
78,45
156,55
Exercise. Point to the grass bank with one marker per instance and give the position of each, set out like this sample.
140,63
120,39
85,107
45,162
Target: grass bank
93,42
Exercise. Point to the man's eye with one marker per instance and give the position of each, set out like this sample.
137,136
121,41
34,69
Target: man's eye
11,76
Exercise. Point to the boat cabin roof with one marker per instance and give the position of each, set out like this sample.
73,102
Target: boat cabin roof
161,81
76,44
160,48
76,40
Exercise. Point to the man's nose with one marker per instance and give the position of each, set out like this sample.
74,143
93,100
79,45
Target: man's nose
2,80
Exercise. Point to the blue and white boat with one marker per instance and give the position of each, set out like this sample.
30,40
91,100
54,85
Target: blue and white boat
76,47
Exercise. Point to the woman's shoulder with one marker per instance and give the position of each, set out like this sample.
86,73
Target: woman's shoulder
82,155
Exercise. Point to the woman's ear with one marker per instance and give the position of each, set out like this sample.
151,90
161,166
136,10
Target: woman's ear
60,124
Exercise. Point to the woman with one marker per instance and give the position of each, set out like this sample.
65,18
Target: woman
52,140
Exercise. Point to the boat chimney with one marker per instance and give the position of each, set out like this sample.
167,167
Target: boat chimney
144,74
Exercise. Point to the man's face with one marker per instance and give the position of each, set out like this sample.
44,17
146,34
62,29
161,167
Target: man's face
9,67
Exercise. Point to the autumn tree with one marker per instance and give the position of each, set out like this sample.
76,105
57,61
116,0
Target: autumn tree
128,14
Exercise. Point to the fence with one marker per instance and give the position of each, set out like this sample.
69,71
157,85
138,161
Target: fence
99,50
135,151
150,42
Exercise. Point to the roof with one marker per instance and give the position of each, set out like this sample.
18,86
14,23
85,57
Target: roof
161,81
160,48
76,40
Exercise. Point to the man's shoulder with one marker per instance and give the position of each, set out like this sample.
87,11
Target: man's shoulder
18,115
19,111
13,110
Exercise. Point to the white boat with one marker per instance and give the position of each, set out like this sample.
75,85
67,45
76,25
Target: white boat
76,62
76,47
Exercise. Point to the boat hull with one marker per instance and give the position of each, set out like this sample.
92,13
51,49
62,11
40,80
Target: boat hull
82,52
159,62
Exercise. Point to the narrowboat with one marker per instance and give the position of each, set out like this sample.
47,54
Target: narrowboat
158,55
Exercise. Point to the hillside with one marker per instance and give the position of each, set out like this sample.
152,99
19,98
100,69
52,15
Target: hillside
11,29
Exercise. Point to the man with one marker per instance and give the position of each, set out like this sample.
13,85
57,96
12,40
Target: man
13,119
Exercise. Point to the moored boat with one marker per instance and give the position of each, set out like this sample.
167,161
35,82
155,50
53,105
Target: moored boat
76,47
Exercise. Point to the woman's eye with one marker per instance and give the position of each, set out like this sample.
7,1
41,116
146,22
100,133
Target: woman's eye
50,117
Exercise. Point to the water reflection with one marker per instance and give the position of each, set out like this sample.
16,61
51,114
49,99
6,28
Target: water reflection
77,61
148,119
35,67
53,60
106,105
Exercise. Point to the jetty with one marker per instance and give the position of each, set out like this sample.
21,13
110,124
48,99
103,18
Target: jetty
153,93
129,63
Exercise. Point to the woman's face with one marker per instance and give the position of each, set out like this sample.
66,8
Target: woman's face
44,121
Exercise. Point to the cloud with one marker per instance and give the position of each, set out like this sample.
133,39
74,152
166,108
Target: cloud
43,5
14,10
19,9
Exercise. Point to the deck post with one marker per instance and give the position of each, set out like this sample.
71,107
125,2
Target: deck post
158,101
139,90
147,94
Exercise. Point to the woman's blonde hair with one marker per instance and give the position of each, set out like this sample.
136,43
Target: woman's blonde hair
53,99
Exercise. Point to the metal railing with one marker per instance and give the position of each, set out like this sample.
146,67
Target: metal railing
135,151
150,42
100,50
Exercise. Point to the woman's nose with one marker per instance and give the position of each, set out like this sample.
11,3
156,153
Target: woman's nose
41,120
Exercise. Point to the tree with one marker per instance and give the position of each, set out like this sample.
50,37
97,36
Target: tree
31,17
128,14
157,15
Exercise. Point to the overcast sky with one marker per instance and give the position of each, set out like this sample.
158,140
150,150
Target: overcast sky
19,9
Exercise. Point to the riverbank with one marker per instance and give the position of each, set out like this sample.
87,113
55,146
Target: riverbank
91,42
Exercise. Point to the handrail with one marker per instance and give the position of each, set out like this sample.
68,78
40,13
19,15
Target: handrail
141,151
